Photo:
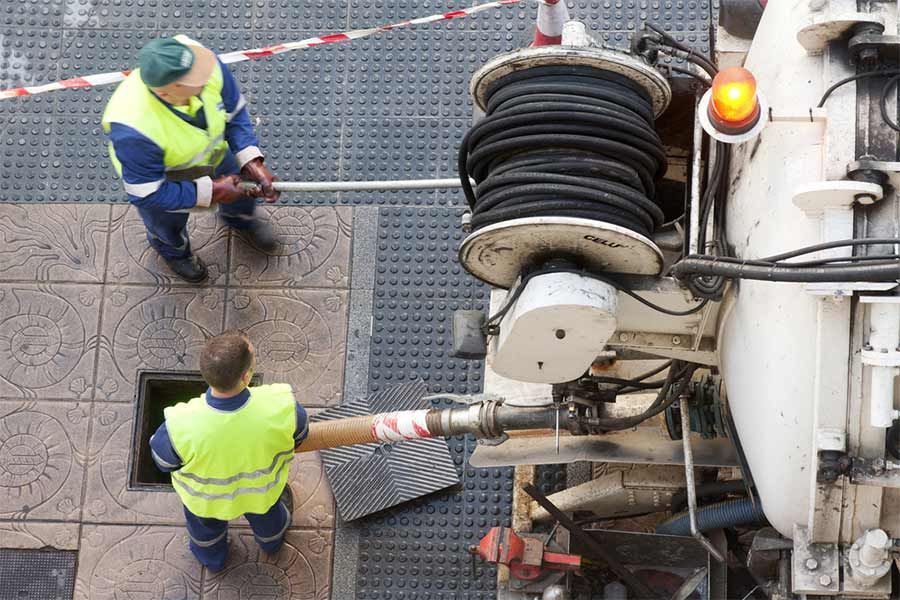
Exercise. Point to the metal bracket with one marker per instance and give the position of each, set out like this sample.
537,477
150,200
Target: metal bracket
815,567
865,167
826,28
814,198
873,47
875,472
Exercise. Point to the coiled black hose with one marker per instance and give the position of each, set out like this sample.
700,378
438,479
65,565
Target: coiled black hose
574,141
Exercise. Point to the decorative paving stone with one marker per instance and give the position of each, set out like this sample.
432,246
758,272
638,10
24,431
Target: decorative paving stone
36,535
108,499
300,571
299,336
42,458
313,250
313,500
47,340
117,562
56,242
157,328
132,260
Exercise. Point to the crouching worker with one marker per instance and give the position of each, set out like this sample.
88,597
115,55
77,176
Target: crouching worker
229,451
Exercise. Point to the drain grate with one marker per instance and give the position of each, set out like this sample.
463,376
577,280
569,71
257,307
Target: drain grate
371,477
36,574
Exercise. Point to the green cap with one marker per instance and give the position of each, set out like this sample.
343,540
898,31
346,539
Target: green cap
163,61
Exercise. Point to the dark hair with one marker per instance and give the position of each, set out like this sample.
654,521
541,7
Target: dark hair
225,359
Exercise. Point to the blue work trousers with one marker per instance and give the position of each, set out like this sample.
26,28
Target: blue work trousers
209,537
167,231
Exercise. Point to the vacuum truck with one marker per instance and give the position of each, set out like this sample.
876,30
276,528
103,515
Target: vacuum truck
694,262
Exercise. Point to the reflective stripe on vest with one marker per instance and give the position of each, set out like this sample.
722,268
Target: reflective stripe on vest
184,146
234,462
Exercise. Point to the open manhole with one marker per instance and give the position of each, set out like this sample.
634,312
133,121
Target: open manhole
157,390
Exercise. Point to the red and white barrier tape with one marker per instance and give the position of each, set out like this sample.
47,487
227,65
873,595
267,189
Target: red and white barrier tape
401,426
242,55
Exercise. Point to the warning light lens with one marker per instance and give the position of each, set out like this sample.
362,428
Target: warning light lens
734,107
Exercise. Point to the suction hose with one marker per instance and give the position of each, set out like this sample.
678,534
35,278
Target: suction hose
487,419
715,516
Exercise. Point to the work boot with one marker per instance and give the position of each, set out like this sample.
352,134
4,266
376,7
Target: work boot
262,235
191,268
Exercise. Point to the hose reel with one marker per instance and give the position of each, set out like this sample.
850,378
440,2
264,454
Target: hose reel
565,164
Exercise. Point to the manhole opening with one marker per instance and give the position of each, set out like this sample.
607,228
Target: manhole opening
157,390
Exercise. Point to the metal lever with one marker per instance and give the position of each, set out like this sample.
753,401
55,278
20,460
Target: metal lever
689,478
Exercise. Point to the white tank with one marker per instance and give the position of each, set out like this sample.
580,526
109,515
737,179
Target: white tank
768,331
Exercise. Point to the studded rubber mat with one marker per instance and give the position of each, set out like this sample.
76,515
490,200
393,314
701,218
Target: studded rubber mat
368,478
392,106
419,549
36,574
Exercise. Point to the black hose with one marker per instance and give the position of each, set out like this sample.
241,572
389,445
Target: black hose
706,266
715,516
564,140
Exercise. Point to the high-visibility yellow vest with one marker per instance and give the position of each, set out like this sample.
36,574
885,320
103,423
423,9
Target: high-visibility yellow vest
184,146
233,462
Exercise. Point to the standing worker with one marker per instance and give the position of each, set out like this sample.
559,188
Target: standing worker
229,451
179,135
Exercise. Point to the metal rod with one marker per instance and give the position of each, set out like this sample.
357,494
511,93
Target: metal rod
689,479
629,578
696,161
354,186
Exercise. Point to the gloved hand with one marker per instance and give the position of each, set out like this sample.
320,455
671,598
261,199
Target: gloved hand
225,189
256,171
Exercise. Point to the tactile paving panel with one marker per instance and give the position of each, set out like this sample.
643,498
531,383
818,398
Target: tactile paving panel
418,550
368,478
36,574
418,285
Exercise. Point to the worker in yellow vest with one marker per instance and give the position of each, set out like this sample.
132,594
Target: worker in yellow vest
229,451
180,138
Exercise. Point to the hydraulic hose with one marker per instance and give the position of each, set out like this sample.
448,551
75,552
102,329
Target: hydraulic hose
564,140
692,267
715,516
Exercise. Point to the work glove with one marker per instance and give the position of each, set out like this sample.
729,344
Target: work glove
225,189
256,171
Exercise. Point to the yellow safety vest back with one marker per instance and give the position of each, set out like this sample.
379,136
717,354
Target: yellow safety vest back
188,151
233,462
